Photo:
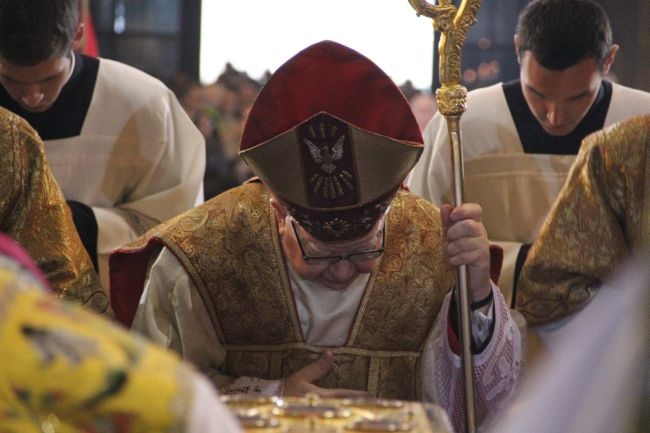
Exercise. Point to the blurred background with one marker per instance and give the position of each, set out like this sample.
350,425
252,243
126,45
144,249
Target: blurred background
215,55
197,38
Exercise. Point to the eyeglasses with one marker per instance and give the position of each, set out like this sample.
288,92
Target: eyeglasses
357,258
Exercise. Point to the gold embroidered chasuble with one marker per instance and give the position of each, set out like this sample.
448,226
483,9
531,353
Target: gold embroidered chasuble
231,249
33,212
601,216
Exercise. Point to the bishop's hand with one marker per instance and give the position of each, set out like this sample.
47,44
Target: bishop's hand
466,243
302,381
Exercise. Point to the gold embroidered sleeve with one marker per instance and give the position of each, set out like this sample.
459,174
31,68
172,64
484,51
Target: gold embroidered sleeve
33,212
594,224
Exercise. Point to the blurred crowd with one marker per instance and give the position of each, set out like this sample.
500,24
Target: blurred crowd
422,101
219,111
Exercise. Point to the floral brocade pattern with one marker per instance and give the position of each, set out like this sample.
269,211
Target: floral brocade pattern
228,247
411,281
599,219
34,213
244,284
63,369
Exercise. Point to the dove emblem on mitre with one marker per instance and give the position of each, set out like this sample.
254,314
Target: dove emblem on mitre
326,156
332,182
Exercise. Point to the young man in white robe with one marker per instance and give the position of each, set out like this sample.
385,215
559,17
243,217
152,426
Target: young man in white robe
520,138
119,144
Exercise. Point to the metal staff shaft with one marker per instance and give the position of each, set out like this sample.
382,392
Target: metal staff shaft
453,24
462,295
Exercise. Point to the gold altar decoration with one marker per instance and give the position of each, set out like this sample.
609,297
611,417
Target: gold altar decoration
311,414
453,24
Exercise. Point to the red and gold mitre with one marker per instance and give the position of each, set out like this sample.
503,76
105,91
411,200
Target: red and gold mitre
332,136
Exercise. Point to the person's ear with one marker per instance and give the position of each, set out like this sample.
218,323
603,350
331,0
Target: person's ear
78,40
516,39
609,59
280,213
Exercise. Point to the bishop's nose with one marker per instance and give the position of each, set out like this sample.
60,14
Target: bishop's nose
343,270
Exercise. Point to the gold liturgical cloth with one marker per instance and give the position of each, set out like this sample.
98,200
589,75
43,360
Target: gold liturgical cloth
33,212
312,414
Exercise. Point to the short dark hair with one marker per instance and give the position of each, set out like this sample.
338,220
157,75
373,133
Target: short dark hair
561,33
33,31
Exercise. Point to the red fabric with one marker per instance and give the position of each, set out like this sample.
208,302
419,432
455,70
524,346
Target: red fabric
330,77
454,340
90,45
496,262
128,271
10,248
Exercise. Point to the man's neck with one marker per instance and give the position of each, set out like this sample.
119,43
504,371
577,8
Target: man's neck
535,140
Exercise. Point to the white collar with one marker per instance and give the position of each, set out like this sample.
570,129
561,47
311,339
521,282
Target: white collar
73,61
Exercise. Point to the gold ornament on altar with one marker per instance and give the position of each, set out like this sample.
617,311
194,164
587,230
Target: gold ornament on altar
312,414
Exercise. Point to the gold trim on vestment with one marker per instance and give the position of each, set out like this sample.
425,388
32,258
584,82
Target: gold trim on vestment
356,325
287,292
321,349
